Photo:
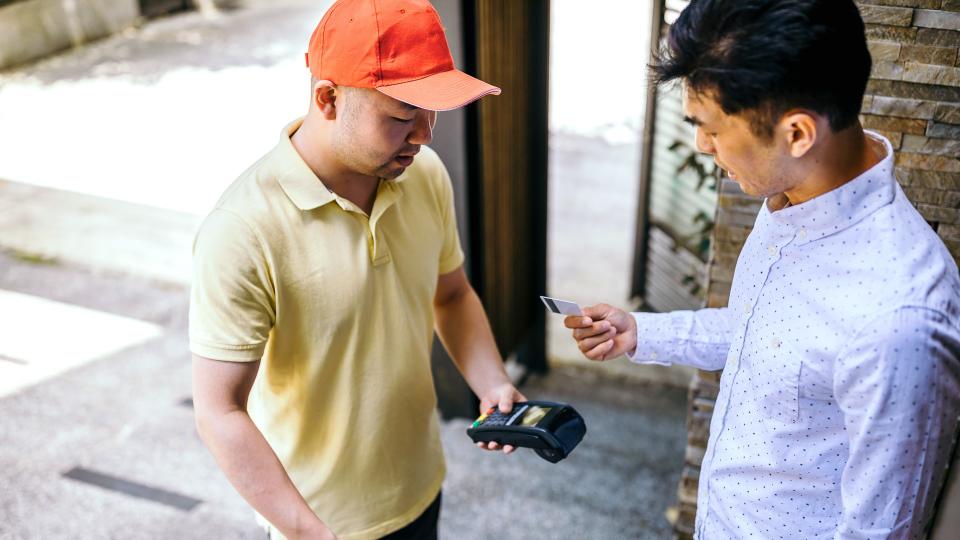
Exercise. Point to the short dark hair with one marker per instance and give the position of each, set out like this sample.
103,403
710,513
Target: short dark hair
764,57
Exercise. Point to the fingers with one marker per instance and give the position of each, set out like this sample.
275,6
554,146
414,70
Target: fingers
601,351
492,446
596,329
590,343
485,405
574,321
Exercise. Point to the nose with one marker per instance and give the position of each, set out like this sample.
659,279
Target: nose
704,143
422,132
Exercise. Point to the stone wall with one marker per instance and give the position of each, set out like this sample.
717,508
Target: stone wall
913,98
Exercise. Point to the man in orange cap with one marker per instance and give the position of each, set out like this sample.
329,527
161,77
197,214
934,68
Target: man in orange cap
319,279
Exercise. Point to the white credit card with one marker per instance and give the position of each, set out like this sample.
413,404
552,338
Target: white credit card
561,307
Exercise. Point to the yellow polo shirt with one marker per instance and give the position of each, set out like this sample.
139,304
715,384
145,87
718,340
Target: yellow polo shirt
339,306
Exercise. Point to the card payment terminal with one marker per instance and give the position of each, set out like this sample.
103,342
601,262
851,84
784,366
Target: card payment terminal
552,429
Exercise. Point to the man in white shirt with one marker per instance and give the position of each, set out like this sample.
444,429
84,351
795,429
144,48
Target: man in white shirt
840,348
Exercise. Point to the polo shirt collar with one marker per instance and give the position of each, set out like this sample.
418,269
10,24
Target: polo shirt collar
298,181
844,206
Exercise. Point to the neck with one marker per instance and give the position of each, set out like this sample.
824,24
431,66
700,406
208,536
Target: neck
312,142
838,159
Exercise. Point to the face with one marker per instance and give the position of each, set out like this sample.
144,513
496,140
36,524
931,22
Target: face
377,135
761,166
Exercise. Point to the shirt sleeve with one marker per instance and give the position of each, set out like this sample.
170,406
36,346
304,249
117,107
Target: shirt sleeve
898,387
451,254
698,338
231,299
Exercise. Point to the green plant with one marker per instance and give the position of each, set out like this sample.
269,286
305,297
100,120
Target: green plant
708,176
693,160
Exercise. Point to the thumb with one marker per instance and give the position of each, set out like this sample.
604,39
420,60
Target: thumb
506,402
597,312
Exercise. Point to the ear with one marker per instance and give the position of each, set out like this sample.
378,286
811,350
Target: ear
324,98
799,130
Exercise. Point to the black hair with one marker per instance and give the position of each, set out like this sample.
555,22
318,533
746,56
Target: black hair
764,57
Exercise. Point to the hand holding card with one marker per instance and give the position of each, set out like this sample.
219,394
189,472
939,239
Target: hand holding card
602,331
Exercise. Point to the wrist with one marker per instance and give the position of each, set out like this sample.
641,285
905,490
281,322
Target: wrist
634,335
309,527
488,380
493,387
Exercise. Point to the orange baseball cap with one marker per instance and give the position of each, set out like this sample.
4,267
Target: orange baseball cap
397,47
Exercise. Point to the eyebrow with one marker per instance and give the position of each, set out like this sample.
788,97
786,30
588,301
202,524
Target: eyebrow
692,120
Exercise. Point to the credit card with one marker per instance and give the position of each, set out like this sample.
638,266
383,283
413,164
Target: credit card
561,307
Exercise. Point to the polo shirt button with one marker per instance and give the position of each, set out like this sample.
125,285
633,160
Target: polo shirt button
772,250
802,233
775,343
746,308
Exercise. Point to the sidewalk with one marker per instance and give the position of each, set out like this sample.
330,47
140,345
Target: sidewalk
124,420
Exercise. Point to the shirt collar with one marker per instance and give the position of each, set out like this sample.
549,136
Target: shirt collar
299,182
844,206
295,176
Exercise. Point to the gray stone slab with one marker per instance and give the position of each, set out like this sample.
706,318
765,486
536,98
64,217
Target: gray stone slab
133,489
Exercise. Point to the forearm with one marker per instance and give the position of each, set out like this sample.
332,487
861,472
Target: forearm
465,331
253,468
696,338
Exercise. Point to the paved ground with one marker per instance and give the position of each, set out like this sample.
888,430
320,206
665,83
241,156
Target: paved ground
95,231
127,416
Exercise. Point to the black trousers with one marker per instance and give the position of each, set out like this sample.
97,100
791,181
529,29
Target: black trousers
422,528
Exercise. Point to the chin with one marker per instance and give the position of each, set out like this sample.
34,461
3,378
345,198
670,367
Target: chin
752,190
389,173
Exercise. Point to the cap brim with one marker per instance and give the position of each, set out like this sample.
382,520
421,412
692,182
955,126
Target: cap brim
443,91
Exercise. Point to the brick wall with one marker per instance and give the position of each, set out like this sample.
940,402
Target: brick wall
913,98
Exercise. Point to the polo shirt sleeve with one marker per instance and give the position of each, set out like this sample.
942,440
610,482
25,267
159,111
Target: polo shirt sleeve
451,254
232,306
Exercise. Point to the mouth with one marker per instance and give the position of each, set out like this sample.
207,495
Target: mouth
406,160
727,172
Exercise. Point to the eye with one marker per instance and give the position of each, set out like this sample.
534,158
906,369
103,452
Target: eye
402,120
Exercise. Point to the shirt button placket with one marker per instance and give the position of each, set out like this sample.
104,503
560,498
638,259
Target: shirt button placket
371,245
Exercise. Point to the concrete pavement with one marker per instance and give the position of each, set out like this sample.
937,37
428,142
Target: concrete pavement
108,449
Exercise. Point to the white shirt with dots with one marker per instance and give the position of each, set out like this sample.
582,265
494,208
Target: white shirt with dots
840,352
